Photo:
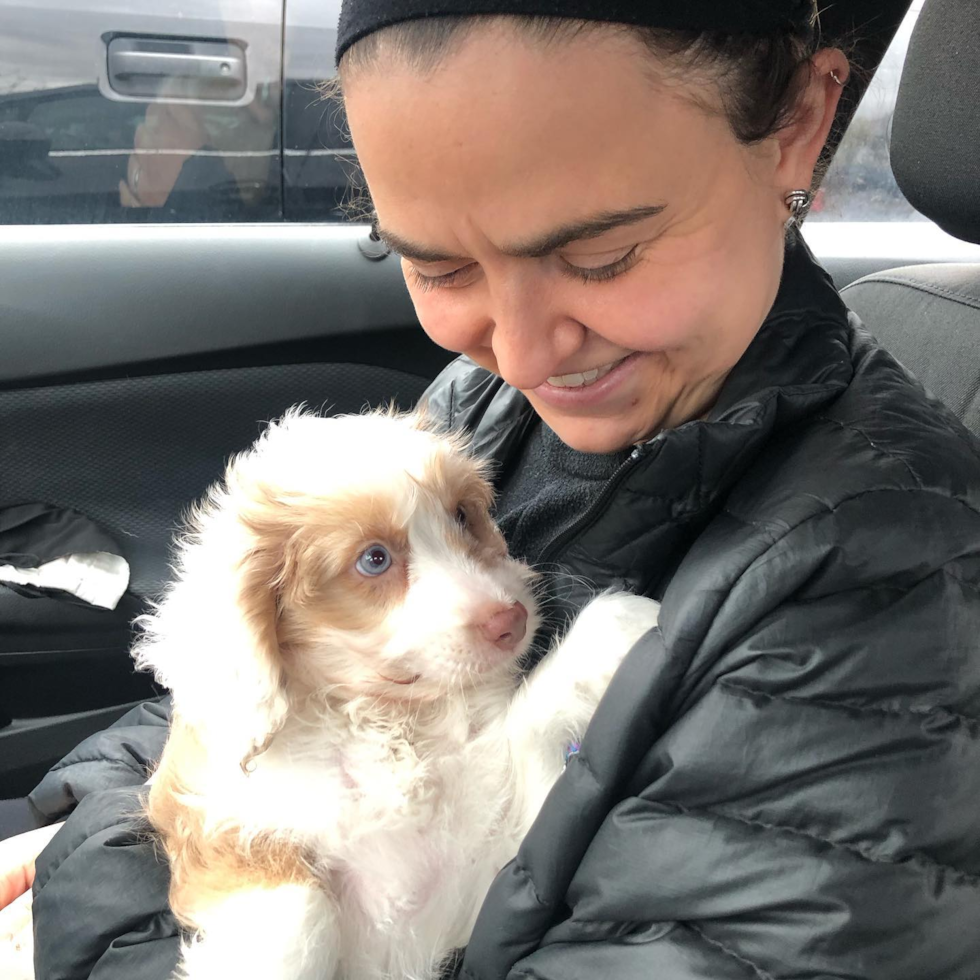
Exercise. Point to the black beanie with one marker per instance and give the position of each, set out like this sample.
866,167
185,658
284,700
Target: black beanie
358,18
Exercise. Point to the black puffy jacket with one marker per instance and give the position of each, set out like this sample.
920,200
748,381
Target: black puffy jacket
783,783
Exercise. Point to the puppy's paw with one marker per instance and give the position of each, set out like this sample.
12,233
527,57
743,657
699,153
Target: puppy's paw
601,636
614,622
562,692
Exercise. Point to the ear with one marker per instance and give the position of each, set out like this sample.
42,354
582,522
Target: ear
802,141
213,639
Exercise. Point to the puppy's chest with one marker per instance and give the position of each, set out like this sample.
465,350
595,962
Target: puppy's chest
414,829
404,793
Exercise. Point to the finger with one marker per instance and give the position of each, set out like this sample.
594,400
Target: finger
17,856
15,919
17,942
14,882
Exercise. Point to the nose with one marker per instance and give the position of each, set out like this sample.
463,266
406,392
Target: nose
529,327
506,626
527,352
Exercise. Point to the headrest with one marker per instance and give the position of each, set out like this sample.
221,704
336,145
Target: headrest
935,145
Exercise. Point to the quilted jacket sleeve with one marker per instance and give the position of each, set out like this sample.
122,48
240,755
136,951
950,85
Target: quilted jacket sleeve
808,803
119,756
100,893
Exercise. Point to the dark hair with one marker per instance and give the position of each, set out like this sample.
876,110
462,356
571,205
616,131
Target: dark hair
760,78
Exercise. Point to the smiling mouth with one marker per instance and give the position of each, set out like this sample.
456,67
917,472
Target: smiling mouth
585,378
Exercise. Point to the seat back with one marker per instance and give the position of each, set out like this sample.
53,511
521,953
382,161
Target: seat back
928,316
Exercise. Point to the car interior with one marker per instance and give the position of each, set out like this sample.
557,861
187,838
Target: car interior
138,357
928,315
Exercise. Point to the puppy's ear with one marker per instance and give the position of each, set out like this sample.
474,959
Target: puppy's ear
213,638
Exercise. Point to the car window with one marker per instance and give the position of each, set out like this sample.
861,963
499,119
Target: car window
859,185
318,159
92,129
129,111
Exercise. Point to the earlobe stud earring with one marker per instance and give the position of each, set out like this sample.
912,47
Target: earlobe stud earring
798,202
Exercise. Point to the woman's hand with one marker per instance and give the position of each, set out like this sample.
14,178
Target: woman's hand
17,939
17,855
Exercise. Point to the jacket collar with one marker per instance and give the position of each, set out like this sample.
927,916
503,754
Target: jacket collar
801,353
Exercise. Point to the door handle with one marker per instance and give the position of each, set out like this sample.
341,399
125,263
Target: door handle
176,68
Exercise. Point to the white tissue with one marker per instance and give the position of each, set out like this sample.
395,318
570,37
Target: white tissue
99,578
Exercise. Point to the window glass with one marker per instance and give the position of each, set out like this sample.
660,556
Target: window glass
859,185
318,159
122,110
91,129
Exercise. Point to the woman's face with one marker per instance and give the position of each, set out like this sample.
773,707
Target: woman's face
592,235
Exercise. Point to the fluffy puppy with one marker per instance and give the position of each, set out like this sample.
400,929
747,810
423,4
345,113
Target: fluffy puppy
353,753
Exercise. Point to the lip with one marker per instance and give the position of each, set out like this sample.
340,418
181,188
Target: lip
592,394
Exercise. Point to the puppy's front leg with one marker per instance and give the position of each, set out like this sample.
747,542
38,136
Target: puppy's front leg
284,932
554,707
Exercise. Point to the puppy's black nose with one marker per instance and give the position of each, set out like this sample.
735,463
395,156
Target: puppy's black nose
505,626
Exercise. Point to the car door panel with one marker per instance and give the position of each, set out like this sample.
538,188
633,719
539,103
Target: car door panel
132,372
124,296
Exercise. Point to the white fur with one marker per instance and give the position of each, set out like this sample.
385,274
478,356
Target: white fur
409,804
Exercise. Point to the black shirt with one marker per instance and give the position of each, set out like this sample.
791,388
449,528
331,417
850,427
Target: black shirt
549,488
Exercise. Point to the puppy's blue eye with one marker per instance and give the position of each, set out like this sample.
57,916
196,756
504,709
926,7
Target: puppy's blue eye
375,561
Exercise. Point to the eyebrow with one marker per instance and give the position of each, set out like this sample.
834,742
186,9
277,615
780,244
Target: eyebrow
577,231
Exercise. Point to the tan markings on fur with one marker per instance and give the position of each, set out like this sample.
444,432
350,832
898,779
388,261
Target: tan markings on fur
304,564
205,867
459,481
300,577
326,589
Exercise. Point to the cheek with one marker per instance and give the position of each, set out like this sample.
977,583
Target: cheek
659,306
360,604
449,317
350,605
697,298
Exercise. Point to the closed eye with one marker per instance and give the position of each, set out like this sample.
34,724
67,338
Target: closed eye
448,279
462,276
601,273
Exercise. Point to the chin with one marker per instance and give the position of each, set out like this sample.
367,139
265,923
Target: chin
353,753
598,435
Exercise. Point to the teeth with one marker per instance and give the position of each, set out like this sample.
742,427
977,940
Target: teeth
586,378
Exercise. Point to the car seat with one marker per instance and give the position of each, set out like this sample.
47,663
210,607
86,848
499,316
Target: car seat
928,316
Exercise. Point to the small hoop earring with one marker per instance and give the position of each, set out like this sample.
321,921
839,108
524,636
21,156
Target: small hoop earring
836,78
798,203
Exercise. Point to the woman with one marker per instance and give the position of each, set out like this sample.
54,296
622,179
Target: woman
591,203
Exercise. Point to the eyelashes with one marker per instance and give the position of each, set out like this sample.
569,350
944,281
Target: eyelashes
425,283
602,273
